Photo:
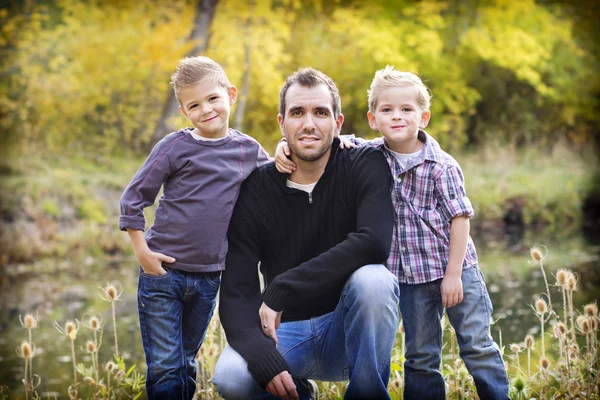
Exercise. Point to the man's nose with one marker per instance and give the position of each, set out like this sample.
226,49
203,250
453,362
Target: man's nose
308,123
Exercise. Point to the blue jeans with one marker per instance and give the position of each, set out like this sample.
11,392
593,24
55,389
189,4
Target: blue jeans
421,309
174,311
353,342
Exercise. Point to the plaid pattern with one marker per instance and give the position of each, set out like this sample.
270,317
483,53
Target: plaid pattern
427,195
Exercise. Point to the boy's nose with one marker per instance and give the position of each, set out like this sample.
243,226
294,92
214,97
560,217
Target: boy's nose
206,108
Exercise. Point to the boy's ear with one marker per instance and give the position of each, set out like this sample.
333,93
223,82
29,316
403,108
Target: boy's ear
233,92
425,116
372,120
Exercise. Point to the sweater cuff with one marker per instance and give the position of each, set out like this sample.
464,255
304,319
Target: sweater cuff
135,223
265,369
274,297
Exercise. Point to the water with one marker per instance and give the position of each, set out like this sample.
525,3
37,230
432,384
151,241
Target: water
59,290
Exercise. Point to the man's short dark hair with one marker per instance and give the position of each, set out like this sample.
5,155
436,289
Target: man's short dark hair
310,77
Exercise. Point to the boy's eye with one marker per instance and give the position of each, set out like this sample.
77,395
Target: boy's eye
386,109
213,98
193,106
407,109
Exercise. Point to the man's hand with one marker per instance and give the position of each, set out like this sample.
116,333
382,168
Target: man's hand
282,386
452,290
269,320
282,162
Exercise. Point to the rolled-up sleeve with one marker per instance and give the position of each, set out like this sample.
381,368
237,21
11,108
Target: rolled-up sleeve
450,193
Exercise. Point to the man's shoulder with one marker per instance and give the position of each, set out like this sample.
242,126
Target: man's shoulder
361,156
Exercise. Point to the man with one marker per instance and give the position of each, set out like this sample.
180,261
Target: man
329,310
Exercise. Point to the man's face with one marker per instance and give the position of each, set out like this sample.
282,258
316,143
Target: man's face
309,125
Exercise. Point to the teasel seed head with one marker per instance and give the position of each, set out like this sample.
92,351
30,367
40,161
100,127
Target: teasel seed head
571,281
109,367
582,324
396,385
591,310
29,321
541,307
518,383
90,346
544,363
560,329
537,255
529,342
561,278
110,293
70,327
515,348
26,349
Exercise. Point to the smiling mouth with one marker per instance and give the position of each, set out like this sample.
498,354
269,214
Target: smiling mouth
210,119
397,126
308,140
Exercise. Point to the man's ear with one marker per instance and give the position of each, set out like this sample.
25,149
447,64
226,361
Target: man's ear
233,93
280,122
372,120
425,116
338,124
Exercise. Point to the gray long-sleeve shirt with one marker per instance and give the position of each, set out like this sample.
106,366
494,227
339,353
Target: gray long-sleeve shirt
201,184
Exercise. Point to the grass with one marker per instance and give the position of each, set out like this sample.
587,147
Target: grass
558,361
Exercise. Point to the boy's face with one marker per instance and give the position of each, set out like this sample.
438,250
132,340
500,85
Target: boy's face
207,105
399,117
309,125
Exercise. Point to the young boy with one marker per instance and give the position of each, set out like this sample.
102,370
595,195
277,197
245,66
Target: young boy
432,253
182,253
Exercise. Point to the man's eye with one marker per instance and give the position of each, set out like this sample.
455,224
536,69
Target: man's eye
321,113
295,113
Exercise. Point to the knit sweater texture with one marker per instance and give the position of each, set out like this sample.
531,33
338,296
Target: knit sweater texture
308,245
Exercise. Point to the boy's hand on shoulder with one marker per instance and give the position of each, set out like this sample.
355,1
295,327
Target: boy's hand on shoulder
346,143
150,261
282,162
452,290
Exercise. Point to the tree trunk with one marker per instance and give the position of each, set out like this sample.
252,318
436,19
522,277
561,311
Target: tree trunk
205,12
243,94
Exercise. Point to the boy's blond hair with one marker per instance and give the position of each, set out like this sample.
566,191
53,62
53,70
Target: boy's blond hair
390,77
192,70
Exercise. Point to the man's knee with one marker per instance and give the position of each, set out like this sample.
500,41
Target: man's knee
373,284
232,378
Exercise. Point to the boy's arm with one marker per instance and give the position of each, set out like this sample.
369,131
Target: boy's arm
139,194
451,288
456,207
282,152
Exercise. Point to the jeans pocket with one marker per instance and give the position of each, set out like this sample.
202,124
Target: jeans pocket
169,271
213,278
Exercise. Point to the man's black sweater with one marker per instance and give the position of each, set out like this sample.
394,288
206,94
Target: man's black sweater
308,245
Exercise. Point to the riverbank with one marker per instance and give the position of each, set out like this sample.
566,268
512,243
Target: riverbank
69,206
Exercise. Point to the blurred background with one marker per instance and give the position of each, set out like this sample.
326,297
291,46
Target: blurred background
84,95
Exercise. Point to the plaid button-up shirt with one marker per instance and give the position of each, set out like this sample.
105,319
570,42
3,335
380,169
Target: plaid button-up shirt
427,195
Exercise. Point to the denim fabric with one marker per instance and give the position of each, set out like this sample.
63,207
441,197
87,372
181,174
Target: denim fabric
421,309
353,342
174,311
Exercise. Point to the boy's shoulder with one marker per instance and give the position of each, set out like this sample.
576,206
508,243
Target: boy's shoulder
435,153
242,137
